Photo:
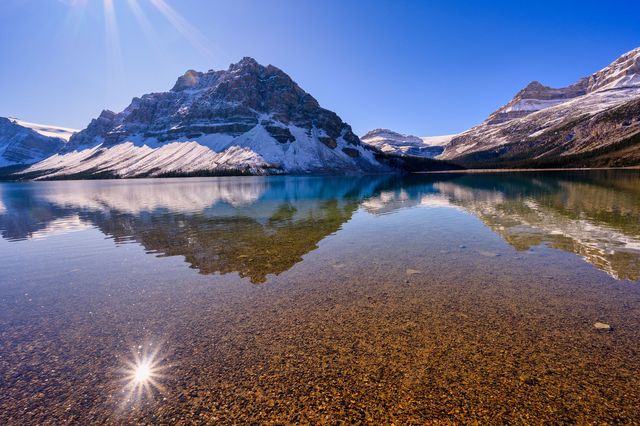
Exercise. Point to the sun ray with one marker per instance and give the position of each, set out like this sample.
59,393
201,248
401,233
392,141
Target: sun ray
145,25
114,54
111,27
75,17
183,26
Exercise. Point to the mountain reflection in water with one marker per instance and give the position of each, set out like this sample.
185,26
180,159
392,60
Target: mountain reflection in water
265,225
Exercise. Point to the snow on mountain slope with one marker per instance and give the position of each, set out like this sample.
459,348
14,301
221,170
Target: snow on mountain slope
128,160
22,145
396,143
46,129
623,72
592,122
250,118
536,97
437,140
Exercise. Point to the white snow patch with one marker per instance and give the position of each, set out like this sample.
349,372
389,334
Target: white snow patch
46,129
437,140
534,104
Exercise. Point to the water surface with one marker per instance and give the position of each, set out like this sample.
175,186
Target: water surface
435,298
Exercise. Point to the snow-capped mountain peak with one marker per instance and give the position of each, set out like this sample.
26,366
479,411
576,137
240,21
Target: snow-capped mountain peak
623,72
534,97
48,130
250,117
591,122
397,143
23,143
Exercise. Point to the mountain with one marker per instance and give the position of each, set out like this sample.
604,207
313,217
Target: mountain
396,143
594,122
249,118
63,133
23,143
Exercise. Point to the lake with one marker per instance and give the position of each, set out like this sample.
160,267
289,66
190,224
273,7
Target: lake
440,297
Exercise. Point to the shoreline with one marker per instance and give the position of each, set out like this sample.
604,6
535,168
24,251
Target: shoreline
555,169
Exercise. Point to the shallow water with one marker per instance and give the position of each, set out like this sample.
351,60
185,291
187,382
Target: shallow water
436,298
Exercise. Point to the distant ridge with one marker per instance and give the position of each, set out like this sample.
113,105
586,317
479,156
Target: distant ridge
23,143
396,143
592,123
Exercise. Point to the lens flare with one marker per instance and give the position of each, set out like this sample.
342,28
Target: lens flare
144,23
183,26
115,63
111,27
143,374
137,8
75,17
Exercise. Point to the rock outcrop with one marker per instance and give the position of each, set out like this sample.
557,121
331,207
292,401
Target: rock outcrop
249,118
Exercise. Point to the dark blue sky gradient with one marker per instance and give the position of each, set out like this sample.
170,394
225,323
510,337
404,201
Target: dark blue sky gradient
418,67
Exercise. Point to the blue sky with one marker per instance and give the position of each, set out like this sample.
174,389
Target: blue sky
418,67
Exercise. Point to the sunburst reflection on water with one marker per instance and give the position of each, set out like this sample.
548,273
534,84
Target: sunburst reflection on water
142,376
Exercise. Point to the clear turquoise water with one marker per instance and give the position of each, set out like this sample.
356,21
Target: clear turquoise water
292,299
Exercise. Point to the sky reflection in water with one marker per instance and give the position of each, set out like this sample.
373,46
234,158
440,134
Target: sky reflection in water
261,226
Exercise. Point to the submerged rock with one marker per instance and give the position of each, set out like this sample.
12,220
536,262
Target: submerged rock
602,326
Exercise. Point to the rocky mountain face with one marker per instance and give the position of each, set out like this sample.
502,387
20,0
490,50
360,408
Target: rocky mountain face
24,143
594,122
396,143
535,97
249,118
